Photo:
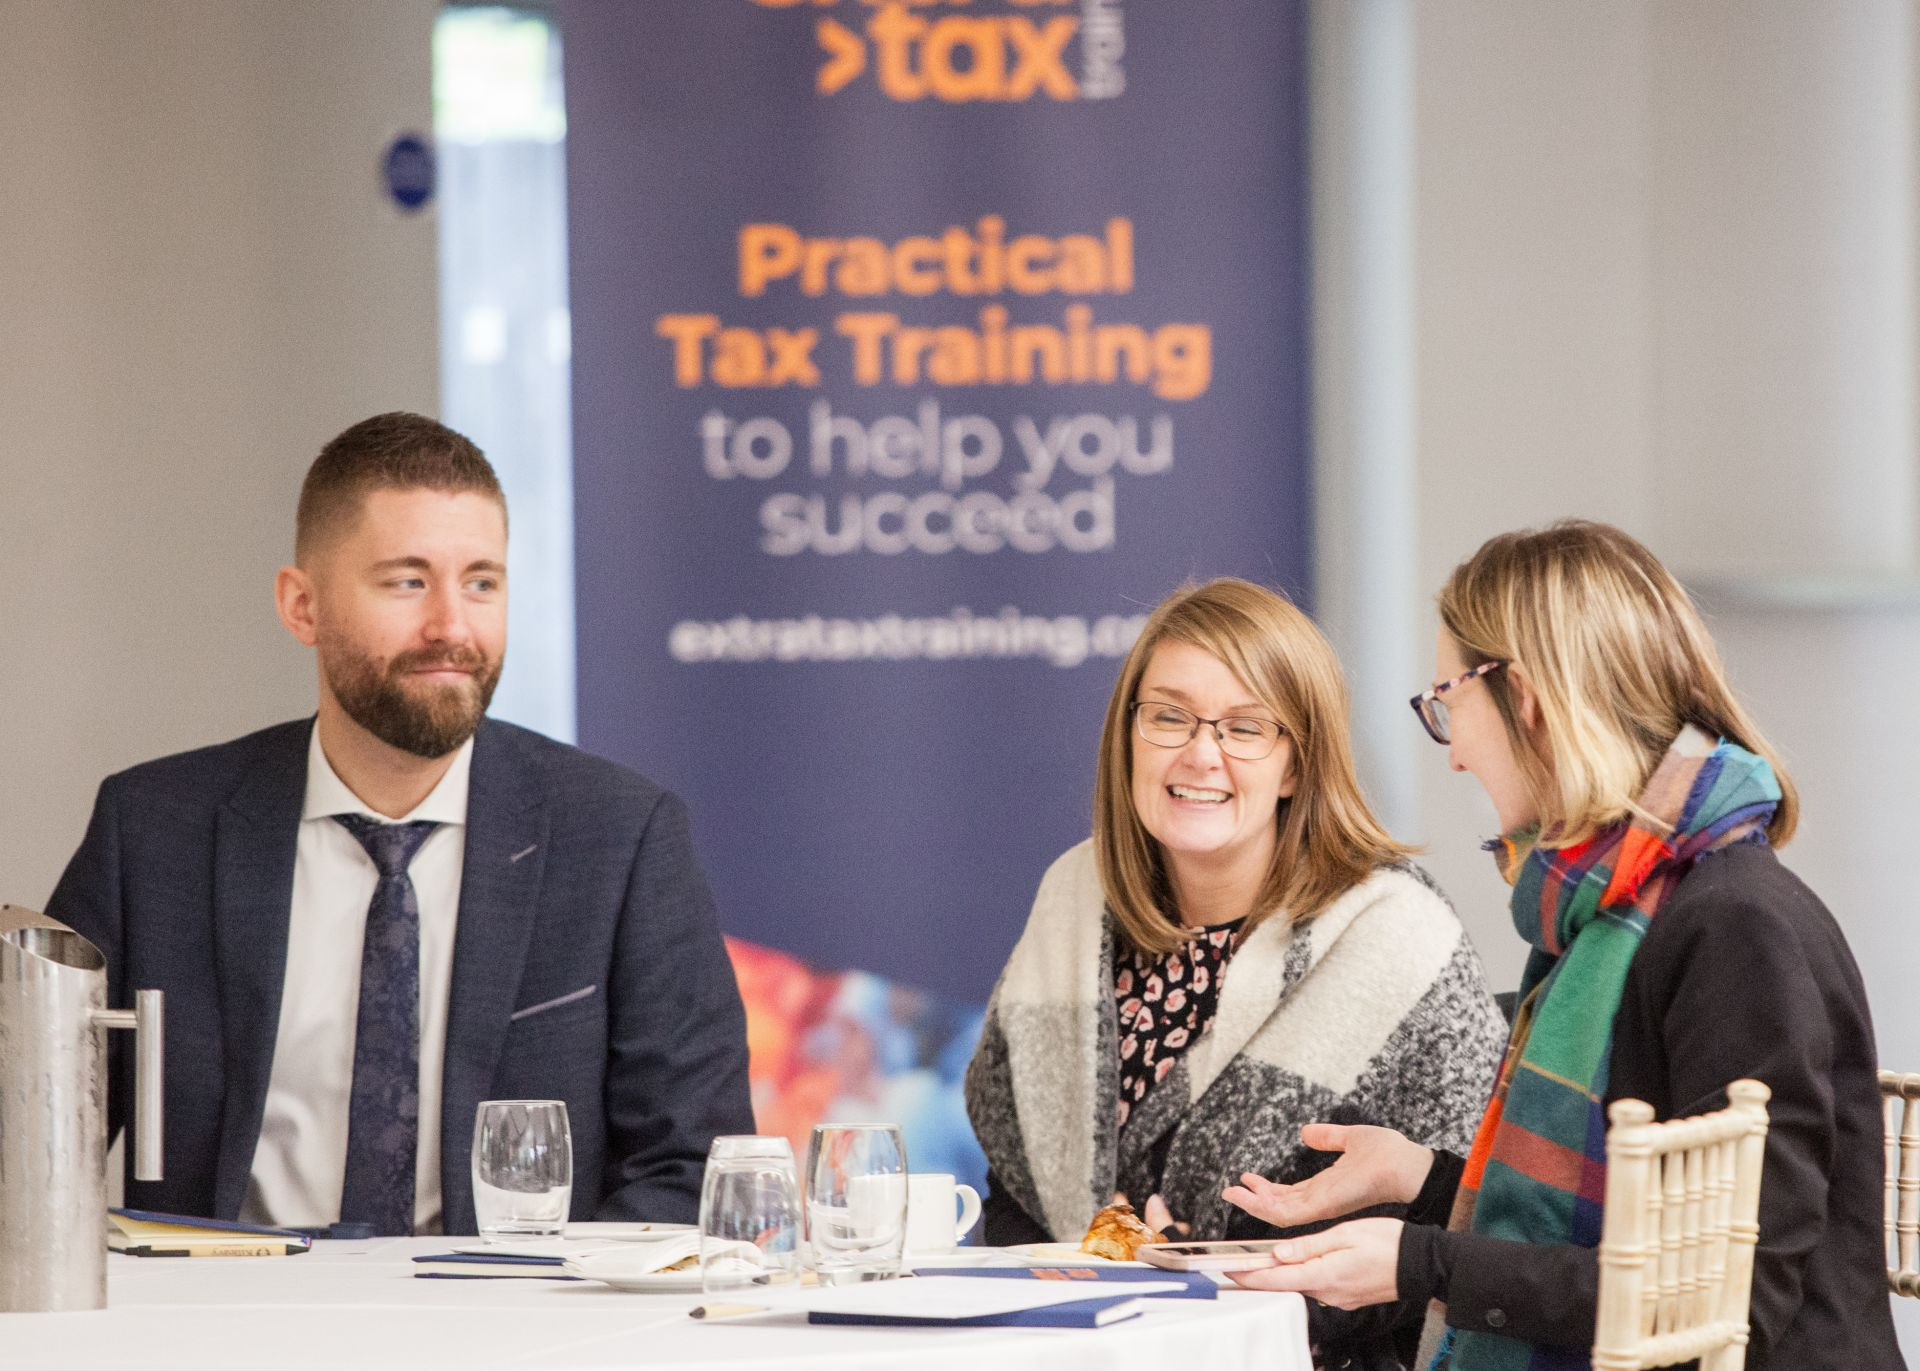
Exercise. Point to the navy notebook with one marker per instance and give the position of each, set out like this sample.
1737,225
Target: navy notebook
143,1233
489,1266
1092,1313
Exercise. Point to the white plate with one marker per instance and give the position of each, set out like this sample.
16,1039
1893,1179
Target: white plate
626,1232
1060,1254
963,1256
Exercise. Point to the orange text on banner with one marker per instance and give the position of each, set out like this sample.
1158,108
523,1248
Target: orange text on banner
956,58
980,260
1175,360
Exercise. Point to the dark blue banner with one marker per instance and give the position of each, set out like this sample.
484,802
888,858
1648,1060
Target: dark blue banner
919,350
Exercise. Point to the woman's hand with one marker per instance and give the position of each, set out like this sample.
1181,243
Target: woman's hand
1347,1266
1160,1219
1156,1215
1376,1166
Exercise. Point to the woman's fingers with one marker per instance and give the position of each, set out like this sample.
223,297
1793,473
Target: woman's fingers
1263,1205
1347,1266
1156,1215
1286,1206
1325,1137
1296,1264
1373,1165
1304,1278
1309,1247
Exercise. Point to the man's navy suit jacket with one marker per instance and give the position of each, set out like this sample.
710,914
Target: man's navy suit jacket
587,964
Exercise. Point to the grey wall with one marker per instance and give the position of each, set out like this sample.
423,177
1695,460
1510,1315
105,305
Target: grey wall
200,282
1653,264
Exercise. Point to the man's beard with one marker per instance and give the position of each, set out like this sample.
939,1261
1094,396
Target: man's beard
425,720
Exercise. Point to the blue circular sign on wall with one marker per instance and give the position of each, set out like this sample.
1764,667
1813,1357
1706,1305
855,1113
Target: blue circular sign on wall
408,169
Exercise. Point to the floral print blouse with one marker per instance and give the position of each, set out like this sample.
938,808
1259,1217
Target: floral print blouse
1166,1002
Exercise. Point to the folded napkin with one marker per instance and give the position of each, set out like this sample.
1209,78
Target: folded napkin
626,1261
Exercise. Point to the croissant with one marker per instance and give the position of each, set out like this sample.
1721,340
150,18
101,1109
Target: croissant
1116,1233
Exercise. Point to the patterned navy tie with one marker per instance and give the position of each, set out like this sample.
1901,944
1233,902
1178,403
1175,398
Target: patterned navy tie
383,1121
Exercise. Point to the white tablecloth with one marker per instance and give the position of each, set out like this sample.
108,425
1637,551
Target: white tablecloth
356,1305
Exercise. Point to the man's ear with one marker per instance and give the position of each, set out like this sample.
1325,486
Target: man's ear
293,597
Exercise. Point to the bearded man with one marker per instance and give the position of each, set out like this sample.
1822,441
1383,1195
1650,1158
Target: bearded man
370,920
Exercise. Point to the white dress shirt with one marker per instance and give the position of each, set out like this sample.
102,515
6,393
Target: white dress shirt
299,1166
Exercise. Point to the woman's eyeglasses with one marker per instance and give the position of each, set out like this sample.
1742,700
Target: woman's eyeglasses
1166,725
1433,710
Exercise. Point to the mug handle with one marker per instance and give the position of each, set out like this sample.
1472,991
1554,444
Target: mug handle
969,1210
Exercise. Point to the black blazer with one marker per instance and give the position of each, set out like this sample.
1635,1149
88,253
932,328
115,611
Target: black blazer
1744,973
578,874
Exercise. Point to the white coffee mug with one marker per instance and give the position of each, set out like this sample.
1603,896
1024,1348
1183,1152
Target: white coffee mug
932,1226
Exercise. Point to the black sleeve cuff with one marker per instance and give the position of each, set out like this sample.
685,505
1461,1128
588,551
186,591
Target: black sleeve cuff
1424,1270
1434,1203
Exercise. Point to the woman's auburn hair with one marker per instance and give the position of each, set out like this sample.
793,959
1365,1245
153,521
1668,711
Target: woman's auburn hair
1329,840
1617,656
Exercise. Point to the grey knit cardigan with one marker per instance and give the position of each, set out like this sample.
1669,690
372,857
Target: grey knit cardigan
1376,1011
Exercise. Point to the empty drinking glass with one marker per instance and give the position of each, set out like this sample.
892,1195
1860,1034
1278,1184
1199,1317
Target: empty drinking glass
856,1201
522,1168
749,1214
733,1146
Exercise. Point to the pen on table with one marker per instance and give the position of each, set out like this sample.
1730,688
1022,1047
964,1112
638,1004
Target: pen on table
724,1311
216,1249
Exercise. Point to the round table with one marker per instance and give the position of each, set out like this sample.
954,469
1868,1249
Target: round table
357,1306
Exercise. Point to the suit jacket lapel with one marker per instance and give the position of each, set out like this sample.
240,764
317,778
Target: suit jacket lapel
255,836
499,894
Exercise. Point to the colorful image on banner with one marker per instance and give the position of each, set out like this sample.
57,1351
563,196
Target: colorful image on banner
849,1047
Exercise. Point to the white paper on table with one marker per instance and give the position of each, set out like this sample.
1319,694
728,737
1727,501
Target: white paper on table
946,1297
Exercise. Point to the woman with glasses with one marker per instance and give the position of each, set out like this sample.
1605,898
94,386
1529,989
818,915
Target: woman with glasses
1639,808
1238,949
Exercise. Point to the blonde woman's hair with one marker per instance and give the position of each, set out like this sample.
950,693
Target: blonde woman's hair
1618,658
1328,839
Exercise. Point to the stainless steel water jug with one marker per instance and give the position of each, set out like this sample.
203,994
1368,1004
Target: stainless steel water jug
53,1112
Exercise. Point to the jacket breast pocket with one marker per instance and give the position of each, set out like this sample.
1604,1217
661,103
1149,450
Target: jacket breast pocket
578,1017
548,1006
555,1051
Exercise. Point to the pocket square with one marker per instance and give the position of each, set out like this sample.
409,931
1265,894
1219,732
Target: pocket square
555,1003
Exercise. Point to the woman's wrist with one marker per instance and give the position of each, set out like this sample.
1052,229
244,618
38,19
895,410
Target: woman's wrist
1413,1172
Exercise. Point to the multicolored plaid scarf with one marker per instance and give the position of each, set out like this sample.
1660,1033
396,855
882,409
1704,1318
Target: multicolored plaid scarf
1537,1172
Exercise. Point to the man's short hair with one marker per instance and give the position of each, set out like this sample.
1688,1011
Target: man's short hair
397,451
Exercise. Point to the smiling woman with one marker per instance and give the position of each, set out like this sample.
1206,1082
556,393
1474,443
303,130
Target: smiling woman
1208,790
1239,948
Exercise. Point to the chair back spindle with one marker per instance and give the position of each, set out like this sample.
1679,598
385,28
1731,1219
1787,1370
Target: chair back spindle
1900,1098
1678,1233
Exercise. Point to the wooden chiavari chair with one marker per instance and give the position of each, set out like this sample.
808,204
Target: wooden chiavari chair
1900,1098
1678,1233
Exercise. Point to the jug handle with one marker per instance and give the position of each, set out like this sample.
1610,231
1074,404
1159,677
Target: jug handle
147,1020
